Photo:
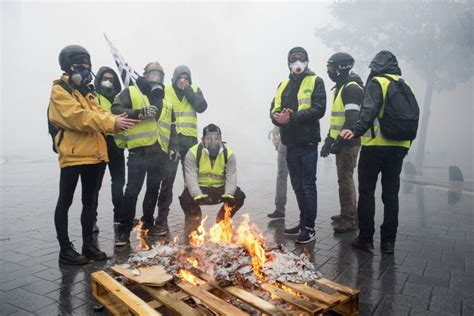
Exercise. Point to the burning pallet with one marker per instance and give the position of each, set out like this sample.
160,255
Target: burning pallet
179,297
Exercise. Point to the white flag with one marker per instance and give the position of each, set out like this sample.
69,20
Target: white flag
127,74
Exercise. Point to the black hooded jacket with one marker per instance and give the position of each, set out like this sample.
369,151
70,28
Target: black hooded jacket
303,127
383,63
196,100
98,79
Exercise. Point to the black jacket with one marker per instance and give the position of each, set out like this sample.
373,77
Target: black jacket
303,127
383,63
98,79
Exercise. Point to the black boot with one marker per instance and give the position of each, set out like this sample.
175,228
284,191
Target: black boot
90,250
160,228
363,244
387,247
123,236
69,255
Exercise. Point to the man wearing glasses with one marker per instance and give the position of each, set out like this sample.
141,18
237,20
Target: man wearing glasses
299,104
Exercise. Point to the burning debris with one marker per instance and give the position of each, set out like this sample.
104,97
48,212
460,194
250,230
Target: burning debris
228,255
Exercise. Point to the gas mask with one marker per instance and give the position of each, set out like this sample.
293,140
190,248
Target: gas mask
155,79
81,76
212,142
298,66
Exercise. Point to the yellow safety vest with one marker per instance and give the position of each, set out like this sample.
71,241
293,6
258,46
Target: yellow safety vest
148,131
208,175
107,106
379,139
186,118
338,111
304,93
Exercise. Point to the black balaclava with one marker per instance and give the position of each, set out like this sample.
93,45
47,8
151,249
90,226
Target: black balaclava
212,140
339,66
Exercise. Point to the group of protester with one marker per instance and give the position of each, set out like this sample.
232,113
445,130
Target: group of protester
92,125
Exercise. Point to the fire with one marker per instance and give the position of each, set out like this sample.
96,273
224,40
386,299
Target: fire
141,236
176,239
188,277
222,231
193,262
196,238
253,242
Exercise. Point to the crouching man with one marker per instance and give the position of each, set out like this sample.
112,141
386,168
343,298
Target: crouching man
210,173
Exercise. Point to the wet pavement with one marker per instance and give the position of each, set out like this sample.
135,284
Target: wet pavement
431,272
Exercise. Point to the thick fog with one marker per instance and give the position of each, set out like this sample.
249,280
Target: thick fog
237,53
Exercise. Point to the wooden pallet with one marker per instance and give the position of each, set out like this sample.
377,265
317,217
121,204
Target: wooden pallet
120,300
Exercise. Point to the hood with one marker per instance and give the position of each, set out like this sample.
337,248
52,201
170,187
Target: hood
384,63
299,77
297,49
98,79
355,77
178,71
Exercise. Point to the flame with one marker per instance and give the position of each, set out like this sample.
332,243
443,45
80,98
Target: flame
193,262
196,238
188,277
141,236
176,239
253,242
222,231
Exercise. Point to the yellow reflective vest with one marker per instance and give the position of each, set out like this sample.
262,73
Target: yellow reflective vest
377,139
186,118
338,111
211,175
148,131
304,93
107,106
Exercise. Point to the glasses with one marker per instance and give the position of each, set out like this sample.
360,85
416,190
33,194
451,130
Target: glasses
297,56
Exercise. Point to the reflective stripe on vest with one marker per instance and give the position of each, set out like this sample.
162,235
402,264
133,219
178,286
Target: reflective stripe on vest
186,118
304,93
338,111
208,175
373,137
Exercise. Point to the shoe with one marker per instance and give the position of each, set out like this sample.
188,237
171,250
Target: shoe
344,226
362,244
276,215
160,229
70,256
91,251
336,218
95,228
387,247
123,239
135,221
306,235
292,231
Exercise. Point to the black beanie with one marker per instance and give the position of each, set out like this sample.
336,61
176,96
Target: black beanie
211,128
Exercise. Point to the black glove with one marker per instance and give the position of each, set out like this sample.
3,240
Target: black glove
337,146
326,149
229,200
201,199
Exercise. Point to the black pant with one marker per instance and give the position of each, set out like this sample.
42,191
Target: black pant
67,185
140,164
373,160
117,173
192,210
166,192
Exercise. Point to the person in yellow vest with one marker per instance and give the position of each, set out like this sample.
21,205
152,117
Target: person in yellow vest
187,100
299,104
148,143
344,113
107,86
81,148
210,172
379,154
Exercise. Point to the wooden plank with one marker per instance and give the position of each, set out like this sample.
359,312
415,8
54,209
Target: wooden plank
210,300
311,307
152,276
315,294
170,301
337,287
134,304
242,295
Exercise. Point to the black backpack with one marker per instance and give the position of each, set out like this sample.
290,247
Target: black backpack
401,113
52,129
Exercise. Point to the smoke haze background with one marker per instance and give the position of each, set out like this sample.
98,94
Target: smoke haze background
237,53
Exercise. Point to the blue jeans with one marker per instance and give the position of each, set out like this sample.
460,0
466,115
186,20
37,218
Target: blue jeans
302,160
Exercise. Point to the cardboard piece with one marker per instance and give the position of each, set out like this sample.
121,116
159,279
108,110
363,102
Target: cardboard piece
151,276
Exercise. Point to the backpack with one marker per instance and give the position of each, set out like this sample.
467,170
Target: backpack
52,129
401,113
199,154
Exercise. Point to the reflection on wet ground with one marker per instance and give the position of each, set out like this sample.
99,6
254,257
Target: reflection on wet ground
431,272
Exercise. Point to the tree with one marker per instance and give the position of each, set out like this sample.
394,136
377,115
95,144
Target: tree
435,37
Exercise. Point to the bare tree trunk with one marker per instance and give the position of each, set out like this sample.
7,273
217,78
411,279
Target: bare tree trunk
420,150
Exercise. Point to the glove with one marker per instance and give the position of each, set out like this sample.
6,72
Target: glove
201,198
229,200
326,149
174,155
337,146
148,111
